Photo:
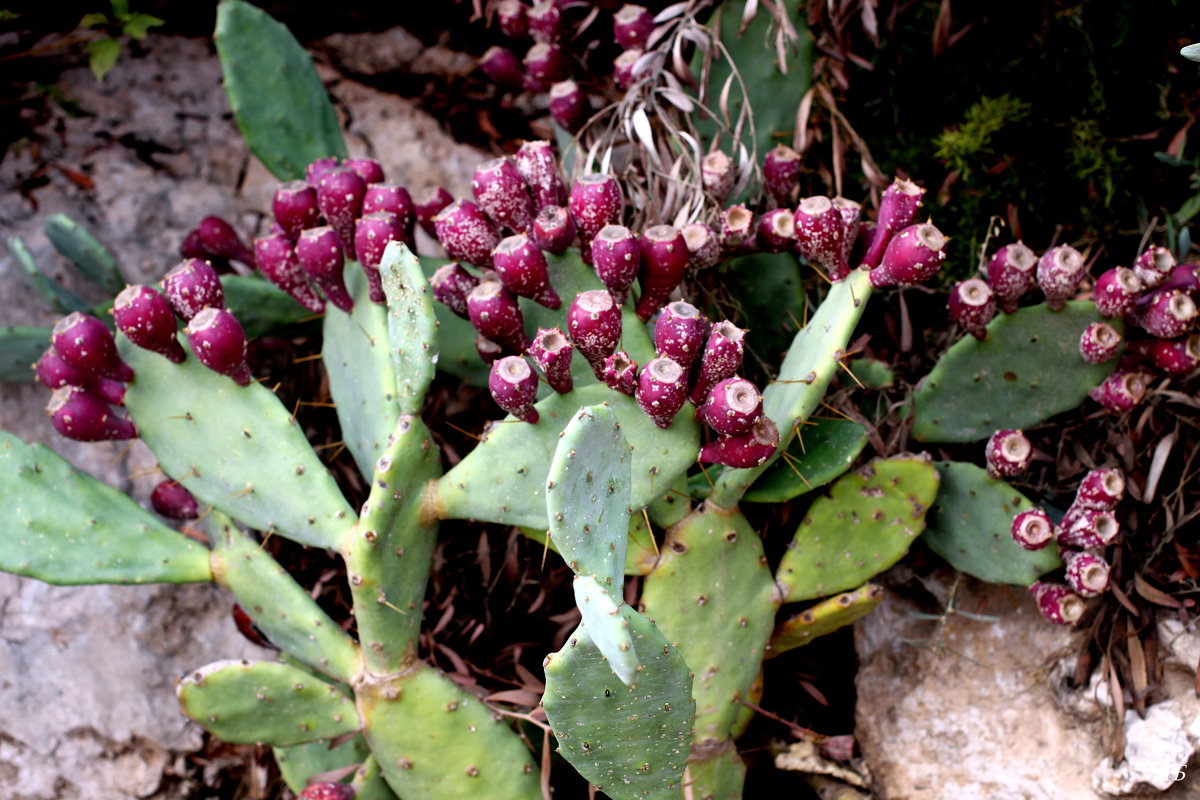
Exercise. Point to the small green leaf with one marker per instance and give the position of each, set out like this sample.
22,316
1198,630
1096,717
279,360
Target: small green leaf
137,25
92,20
102,56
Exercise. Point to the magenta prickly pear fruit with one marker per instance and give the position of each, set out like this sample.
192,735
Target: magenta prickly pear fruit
897,211
820,235
295,208
523,270
277,261
1169,314
1085,528
191,286
781,174
1117,291
146,319
396,199
594,325
502,67
552,352
732,407
429,205
680,333
327,790
737,225
665,258
1087,573
536,162
620,373
617,259
54,373
776,231
545,64
1186,278
451,285
704,249
914,256
717,175
372,234
747,450
79,414
1032,529
488,350
1060,270
972,306
218,238
1177,357
624,73
1057,603
84,343
553,230
466,233
595,202
191,247
219,343
1101,489
314,171
513,385
1008,453
501,193
722,358
494,312
545,21
1099,343
851,213
569,105
511,16
370,170
632,26
1154,266
661,390
1120,391
319,253
340,195
171,500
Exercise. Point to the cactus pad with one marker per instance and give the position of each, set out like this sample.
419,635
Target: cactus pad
412,326
20,347
298,762
57,296
865,525
717,772
1027,370
819,453
606,626
261,307
970,525
825,617
641,551
78,246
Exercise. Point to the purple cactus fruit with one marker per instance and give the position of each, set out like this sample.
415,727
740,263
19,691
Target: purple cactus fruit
624,67
661,390
513,385
429,205
326,790
595,202
553,230
396,199
897,211
617,259
84,343
722,358
1087,573
820,233
1154,266
737,225
914,256
79,414
502,67
545,64
451,285
494,312
1087,528
1101,489
569,106
219,343
776,231
781,174
314,171
1117,291
191,286
1099,343
295,208
1176,357
277,261
370,170
171,500
1060,270
851,213
665,258
594,325
732,407
1120,391
747,450
1186,278
319,253
620,373
552,352
1008,453
536,162
340,195
523,270
717,174
501,193
632,26
511,16
1057,603
54,373
146,319
219,239
545,21
1169,314
372,234
466,233
704,249
1032,529
488,350
972,305
680,333
191,247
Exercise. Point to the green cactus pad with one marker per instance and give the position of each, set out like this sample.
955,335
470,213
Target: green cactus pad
388,552
713,596
825,617
234,447
606,626
865,524
20,348
970,525
1027,370
90,257
280,105
277,604
412,326
57,296
503,479
767,294
261,307
299,762
246,703
641,551
821,452
804,376
631,741
671,506
457,355
435,741
63,526
369,782
716,772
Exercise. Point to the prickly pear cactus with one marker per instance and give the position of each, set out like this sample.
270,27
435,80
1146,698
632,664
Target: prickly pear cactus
827,616
79,247
822,450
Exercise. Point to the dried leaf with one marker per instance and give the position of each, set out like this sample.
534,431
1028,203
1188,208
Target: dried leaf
1137,671
678,99
518,697
1154,594
671,12
748,13
800,141
1123,599
1162,451
1117,749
